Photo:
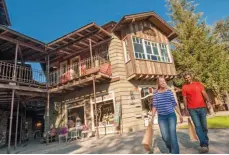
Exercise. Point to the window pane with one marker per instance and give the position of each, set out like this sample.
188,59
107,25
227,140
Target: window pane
154,57
148,49
155,51
138,48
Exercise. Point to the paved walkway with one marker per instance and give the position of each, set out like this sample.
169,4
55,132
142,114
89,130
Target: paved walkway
126,144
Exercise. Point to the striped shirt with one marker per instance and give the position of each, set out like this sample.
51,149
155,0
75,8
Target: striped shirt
164,102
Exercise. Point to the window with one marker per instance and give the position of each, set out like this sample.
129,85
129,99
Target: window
138,48
63,67
103,52
148,50
164,53
126,50
152,51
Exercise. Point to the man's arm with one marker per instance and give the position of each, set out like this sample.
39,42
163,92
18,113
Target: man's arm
185,105
206,98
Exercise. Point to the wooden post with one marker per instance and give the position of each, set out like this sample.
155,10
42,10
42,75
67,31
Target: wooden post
96,111
15,143
90,46
48,102
21,126
12,100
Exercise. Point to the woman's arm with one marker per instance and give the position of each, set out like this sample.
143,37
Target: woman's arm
176,106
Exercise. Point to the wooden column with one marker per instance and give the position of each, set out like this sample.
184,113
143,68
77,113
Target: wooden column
48,101
12,100
90,46
15,143
21,126
96,111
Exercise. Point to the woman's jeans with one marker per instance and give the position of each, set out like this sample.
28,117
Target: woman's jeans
199,118
167,124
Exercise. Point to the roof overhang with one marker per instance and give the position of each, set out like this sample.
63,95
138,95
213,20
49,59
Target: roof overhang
28,46
78,41
151,16
4,16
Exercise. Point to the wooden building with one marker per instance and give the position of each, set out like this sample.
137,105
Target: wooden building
107,74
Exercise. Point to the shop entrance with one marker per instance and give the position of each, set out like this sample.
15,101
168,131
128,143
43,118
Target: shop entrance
74,113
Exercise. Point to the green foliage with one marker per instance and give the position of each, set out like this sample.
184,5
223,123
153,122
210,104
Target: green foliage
218,122
196,50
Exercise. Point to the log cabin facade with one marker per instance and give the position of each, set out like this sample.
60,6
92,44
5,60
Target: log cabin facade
106,75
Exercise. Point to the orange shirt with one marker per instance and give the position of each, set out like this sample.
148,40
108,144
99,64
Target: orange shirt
193,93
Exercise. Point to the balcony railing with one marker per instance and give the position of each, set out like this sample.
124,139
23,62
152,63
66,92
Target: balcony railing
24,74
82,68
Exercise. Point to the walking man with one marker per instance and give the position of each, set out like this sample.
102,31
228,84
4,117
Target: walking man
196,101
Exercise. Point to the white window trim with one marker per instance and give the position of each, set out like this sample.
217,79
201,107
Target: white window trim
125,51
169,53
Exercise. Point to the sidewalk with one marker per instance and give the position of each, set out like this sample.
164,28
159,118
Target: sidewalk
127,144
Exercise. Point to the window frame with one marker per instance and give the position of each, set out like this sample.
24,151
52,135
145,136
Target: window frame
152,43
126,51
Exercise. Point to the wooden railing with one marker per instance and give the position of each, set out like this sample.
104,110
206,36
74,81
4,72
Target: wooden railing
24,74
84,67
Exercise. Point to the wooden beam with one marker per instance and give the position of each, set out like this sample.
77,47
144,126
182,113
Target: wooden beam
15,41
75,41
77,46
32,94
65,52
24,88
83,43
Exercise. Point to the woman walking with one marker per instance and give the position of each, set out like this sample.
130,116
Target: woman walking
164,104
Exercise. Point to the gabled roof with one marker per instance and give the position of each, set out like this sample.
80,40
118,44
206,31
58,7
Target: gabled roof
4,16
151,16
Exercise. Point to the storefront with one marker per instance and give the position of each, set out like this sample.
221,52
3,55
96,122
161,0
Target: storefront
106,113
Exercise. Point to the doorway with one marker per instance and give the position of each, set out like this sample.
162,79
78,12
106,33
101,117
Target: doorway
75,65
74,112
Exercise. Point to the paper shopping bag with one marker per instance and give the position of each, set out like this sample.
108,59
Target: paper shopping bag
192,130
147,139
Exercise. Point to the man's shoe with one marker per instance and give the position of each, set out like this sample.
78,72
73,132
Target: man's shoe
204,150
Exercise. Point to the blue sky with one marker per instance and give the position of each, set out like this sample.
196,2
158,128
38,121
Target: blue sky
46,20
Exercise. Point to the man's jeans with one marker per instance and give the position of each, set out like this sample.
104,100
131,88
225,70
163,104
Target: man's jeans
167,124
199,118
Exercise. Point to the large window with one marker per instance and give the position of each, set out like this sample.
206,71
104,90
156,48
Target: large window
138,48
144,49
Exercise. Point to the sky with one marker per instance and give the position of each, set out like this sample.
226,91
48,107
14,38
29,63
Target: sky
47,20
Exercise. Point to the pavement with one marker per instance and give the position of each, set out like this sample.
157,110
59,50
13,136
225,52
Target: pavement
129,143
126,144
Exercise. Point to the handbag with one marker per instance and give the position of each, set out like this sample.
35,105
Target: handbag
192,130
147,139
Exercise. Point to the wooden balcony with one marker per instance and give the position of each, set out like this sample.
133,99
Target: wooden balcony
80,74
146,70
25,77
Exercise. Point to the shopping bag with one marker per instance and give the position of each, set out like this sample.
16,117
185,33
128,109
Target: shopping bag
147,139
192,130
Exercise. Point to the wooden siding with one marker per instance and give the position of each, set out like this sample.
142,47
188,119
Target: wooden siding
136,29
154,68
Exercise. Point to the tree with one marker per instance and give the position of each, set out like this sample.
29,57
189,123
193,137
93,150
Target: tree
195,49
221,30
